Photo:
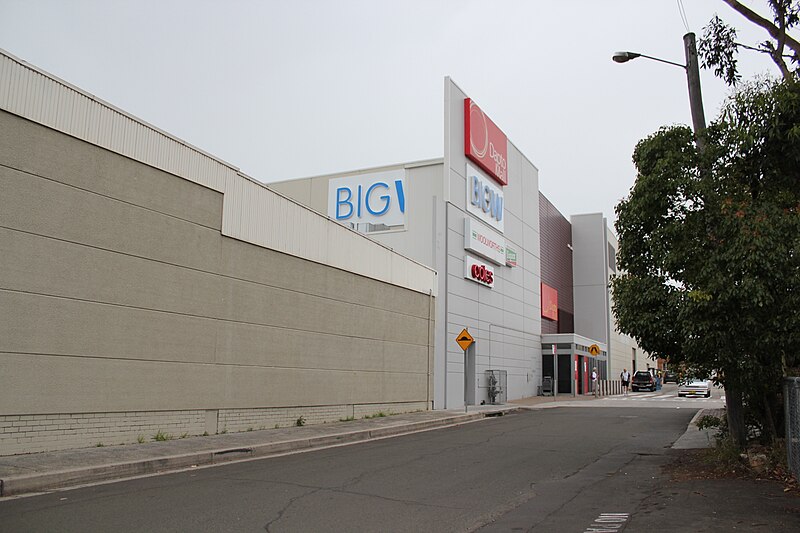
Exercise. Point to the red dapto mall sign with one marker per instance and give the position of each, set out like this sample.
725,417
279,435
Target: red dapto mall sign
484,143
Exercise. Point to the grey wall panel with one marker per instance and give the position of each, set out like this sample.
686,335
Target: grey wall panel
590,276
74,215
299,190
106,304
79,164
250,262
251,344
44,265
592,324
48,325
515,280
37,264
513,230
105,385
123,281
37,324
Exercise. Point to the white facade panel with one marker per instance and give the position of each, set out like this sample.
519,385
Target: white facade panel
503,309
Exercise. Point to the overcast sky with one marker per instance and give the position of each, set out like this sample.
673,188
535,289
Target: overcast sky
285,89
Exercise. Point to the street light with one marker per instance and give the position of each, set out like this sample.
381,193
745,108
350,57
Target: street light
692,76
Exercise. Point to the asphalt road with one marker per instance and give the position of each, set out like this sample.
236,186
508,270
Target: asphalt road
546,470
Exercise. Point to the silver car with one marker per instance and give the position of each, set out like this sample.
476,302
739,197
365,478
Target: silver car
695,387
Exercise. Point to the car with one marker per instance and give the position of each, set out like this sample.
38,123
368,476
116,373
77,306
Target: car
643,379
695,387
670,376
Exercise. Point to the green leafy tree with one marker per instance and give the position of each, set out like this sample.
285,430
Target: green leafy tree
710,250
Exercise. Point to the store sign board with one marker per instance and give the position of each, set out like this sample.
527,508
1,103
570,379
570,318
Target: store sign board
511,256
549,302
483,241
377,198
479,272
485,143
485,199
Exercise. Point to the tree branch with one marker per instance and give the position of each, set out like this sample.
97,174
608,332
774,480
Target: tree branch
760,50
757,19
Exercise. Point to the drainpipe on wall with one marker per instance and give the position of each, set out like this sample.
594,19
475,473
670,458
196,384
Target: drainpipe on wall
608,298
431,349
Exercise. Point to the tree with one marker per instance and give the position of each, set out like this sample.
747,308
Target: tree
709,250
719,47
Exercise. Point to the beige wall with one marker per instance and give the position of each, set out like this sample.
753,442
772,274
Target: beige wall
118,293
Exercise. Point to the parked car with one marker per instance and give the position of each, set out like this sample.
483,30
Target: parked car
643,379
695,387
670,376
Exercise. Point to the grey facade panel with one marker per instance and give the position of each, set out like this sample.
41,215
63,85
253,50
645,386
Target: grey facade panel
112,176
115,295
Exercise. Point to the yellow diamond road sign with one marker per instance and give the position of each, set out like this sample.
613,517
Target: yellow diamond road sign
594,349
464,339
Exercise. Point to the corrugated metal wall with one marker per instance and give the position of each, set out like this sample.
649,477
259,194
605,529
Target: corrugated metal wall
251,212
556,249
37,96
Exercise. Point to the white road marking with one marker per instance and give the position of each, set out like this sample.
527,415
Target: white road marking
661,398
608,523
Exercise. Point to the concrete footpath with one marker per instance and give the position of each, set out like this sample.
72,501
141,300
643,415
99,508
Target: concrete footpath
42,472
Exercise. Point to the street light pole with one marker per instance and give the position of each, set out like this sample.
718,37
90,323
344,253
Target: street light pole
692,76
695,96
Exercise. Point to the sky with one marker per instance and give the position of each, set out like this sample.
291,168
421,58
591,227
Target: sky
297,88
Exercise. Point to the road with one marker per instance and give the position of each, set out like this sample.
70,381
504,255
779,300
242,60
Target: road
544,470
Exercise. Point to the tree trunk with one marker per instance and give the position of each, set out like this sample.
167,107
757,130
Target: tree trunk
772,432
735,412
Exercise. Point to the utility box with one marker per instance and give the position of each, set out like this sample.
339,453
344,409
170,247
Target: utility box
547,386
496,386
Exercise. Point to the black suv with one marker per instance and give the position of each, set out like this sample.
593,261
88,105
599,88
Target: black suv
643,379
670,376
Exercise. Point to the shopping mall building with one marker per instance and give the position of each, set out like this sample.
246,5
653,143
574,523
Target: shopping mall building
513,271
147,286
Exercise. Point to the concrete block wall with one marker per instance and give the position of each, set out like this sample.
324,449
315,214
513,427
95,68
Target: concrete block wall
119,294
235,420
47,432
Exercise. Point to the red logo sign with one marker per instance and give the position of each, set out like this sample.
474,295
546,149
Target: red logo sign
485,143
549,302
482,274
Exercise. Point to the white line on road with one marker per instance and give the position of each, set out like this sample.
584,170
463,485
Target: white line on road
608,523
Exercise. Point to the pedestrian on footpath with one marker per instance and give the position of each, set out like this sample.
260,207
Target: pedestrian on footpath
625,376
594,382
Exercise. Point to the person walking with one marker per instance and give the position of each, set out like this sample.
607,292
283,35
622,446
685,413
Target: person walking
594,382
625,376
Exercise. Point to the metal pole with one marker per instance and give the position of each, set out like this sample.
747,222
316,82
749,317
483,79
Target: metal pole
465,381
695,96
555,371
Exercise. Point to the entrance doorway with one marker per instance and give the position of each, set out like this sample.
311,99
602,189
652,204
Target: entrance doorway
564,373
